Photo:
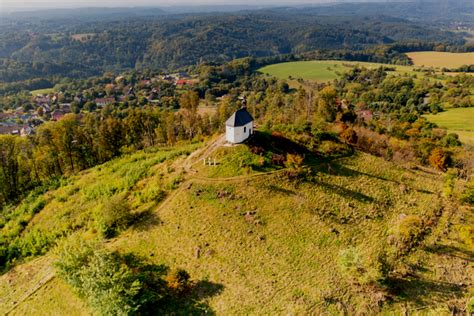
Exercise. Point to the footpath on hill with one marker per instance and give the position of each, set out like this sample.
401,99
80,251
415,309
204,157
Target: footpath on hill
40,271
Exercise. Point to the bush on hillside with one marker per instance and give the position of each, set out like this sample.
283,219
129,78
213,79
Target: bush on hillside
115,216
407,232
439,159
449,182
108,281
467,196
362,270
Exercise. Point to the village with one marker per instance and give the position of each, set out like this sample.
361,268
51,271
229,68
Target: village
52,105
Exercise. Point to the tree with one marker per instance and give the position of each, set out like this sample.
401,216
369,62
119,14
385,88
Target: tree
9,167
439,159
327,103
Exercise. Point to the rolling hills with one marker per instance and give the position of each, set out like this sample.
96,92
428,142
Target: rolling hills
259,240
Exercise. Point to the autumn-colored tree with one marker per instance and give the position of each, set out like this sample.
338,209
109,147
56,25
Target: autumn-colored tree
439,159
348,135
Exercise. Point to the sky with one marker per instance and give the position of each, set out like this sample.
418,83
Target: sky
14,5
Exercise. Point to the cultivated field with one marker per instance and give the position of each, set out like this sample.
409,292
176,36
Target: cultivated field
441,59
260,242
323,70
458,120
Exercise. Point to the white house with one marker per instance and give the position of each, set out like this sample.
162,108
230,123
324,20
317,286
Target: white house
239,126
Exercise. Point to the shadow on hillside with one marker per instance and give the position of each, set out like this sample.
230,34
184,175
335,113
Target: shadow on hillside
146,219
334,168
190,303
165,299
451,251
276,189
423,292
346,193
275,143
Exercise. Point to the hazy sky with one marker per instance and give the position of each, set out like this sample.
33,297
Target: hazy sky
38,4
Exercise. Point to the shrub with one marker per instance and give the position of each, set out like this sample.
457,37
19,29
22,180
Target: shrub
439,159
115,284
450,140
101,277
349,135
115,216
407,232
363,270
449,182
178,281
467,196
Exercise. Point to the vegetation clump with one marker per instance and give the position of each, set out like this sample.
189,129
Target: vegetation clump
115,284
115,216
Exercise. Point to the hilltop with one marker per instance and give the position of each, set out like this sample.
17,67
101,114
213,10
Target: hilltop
257,236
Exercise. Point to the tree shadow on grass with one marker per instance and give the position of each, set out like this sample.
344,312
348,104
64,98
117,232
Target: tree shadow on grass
162,298
346,193
192,302
146,219
423,292
451,251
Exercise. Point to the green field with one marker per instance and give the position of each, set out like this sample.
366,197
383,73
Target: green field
268,244
441,59
42,91
322,70
458,120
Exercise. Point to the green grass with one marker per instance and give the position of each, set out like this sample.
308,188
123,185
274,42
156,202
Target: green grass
458,120
270,243
283,259
322,70
42,91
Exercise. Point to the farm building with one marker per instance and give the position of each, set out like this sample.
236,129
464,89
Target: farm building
239,126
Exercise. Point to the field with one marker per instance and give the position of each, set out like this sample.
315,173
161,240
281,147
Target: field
322,70
267,244
42,91
458,120
441,59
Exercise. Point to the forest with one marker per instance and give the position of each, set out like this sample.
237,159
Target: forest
32,47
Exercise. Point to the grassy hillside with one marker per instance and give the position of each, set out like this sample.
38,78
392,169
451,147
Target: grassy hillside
441,59
322,70
459,120
257,240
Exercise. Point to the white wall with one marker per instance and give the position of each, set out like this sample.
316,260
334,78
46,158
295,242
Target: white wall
238,134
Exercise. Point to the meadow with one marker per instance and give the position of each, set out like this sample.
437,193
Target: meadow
441,59
457,120
42,91
324,70
261,242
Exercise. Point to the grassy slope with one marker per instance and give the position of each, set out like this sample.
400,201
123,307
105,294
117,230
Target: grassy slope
282,258
42,91
459,120
321,70
441,59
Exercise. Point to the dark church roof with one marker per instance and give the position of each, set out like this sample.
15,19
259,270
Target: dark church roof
239,118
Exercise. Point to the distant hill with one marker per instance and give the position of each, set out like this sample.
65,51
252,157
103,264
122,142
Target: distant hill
32,47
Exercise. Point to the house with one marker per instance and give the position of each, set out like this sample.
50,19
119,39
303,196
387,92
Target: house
184,82
239,126
57,115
